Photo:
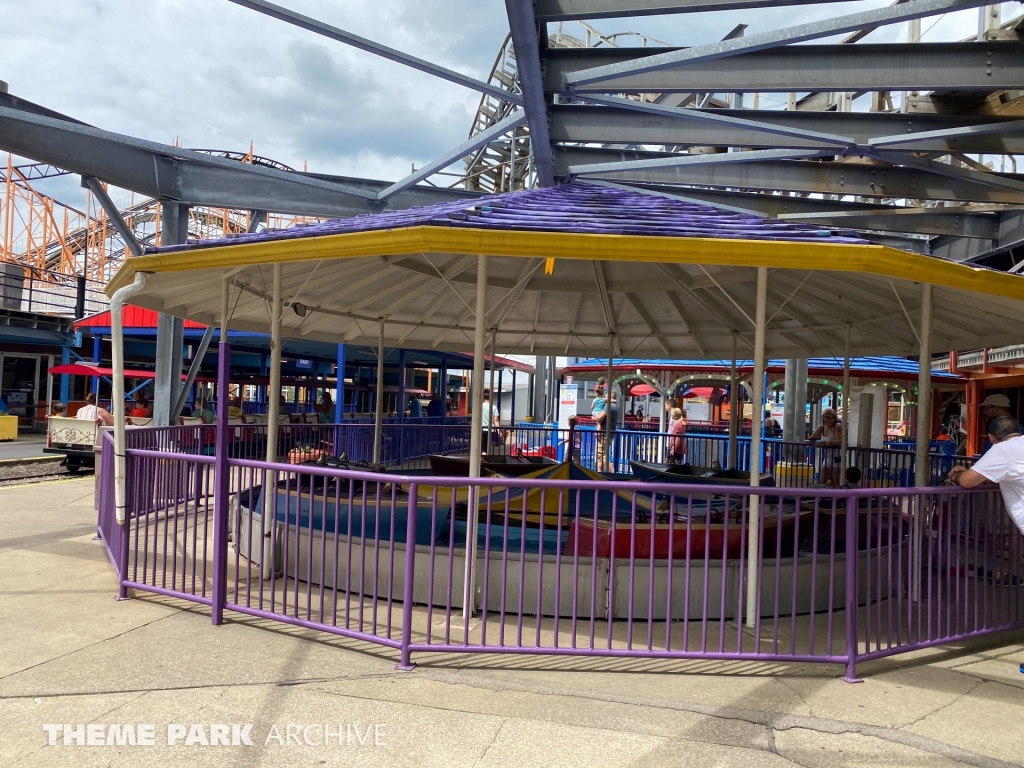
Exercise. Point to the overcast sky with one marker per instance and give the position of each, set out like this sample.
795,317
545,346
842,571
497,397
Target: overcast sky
215,75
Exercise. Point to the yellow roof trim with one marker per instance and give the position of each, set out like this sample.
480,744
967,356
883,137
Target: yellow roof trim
777,254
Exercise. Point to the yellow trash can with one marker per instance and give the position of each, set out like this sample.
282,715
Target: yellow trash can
792,474
8,427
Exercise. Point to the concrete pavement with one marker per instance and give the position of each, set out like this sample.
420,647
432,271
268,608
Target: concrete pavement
28,444
71,654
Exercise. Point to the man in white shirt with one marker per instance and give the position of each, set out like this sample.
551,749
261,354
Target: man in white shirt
1003,464
91,412
489,416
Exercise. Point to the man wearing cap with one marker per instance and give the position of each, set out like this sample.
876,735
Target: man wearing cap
993,407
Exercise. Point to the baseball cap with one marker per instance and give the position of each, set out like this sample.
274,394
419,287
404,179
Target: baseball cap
999,401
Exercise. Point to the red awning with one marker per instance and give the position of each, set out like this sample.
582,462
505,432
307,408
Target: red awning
89,369
86,369
705,392
132,317
639,390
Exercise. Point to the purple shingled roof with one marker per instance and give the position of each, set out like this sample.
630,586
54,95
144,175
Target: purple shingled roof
577,207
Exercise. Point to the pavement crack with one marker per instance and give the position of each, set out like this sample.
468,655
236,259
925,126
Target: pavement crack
771,720
85,647
491,743
947,705
799,694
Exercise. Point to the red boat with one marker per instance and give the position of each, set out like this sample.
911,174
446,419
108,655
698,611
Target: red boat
670,540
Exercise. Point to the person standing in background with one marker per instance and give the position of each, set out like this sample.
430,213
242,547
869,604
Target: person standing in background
677,439
489,416
415,407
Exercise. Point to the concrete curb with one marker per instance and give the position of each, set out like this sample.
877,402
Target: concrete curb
30,460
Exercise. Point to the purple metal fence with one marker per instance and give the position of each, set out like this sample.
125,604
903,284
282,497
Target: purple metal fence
409,445
572,567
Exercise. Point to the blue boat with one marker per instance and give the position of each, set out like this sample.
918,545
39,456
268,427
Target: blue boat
328,512
528,540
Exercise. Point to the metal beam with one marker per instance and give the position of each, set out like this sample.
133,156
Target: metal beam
510,123
96,187
854,179
935,221
718,120
194,178
924,132
951,171
255,219
334,33
862,67
564,10
958,221
812,31
523,27
674,161
1009,235
193,371
904,141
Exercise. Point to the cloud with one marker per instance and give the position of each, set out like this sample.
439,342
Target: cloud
215,75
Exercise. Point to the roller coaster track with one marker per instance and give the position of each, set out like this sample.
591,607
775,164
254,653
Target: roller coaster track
506,164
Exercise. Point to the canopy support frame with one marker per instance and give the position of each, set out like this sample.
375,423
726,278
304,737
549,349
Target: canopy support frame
475,436
754,517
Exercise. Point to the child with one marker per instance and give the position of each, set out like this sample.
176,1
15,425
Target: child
852,478
59,409
598,405
677,440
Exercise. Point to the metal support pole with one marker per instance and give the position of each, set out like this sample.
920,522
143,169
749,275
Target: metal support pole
924,390
378,414
734,396
274,392
118,400
339,392
273,417
608,406
401,407
800,413
170,331
754,524
512,405
97,358
193,369
490,386
844,443
789,389
401,385
65,358
475,436
442,388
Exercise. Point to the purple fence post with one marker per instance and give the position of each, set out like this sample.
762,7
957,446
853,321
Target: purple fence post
852,504
410,564
222,486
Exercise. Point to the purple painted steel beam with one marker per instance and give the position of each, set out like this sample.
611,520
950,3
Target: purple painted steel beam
523,26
